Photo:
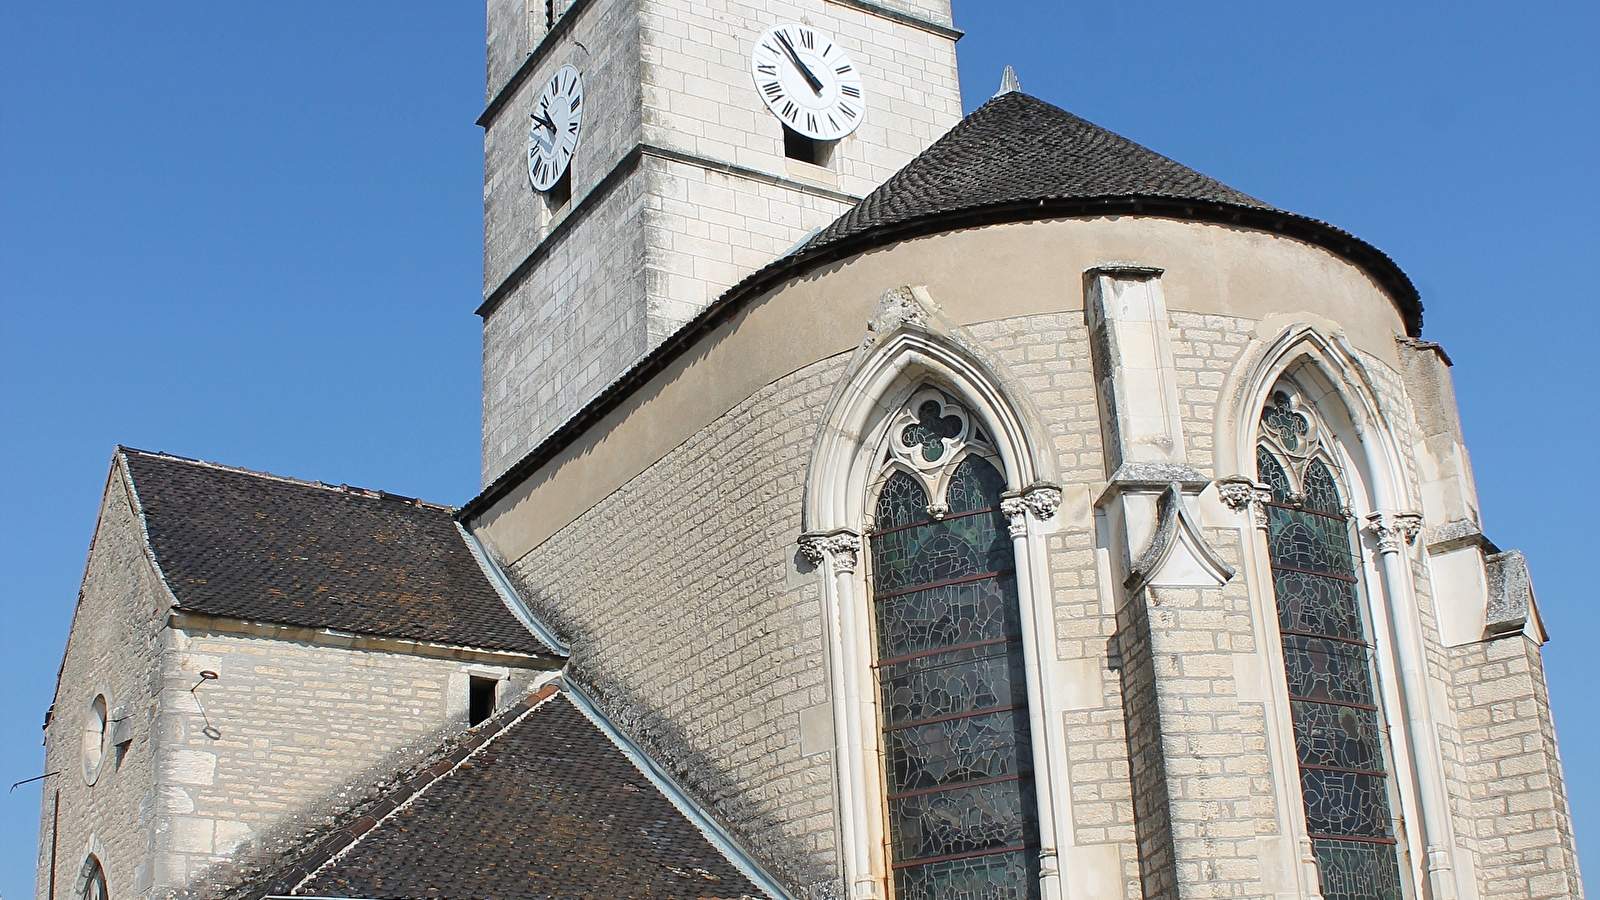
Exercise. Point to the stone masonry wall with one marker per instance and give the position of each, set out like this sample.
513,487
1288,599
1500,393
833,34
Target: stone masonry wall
679,595
302,730
692,617
115,647
717,201
1524,827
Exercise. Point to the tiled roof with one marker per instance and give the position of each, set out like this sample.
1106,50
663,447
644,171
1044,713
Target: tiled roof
1017,158
1017,147
260,548
537,803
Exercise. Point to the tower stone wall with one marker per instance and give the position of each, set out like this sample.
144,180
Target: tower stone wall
680,185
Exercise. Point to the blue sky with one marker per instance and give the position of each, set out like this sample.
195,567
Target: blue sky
251,234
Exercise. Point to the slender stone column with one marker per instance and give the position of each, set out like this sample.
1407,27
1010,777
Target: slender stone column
1038,646
1394,532
837,555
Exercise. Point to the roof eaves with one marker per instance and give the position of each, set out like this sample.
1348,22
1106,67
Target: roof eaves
509,595
1370,259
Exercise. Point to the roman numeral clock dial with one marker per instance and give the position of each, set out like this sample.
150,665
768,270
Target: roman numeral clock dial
553,134
807,81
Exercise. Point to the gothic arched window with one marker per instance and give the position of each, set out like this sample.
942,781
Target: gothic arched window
94,881
958,764
1338,723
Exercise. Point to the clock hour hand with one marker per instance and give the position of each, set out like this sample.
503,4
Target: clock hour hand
816,84
545,122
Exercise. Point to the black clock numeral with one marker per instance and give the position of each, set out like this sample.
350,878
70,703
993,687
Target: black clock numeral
848,112
843,69
773,89
772,50
572,127
811,122
576,102
832,121
767,68
808,39
850,90
790,111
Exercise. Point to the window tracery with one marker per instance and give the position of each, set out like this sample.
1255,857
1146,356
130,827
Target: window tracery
1339,729
962,815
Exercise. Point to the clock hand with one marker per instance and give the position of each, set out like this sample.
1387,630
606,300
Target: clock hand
816,85
545,122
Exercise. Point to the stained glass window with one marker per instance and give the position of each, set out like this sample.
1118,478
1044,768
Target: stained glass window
1338,729
962,814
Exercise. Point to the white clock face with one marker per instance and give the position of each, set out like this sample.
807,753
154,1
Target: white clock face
553,133
807,81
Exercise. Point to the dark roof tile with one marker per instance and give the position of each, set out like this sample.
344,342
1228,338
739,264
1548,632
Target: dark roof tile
261,548
548,807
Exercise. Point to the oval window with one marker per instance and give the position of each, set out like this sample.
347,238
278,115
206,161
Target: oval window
94,738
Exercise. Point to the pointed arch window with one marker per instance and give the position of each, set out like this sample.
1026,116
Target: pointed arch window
962,814
1339,729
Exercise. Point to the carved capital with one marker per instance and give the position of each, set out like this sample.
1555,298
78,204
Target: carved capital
1394,531
1041,500
1239,493
842,548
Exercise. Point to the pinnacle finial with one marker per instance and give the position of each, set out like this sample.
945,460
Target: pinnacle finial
1008,82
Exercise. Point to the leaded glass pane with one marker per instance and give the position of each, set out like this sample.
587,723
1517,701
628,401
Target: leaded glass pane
902,502
1309,541
975,485
1322,494
927,755
1327,670
966,818
1347,804
1317,604
1270,472
957,749
922,620
1002,876
1354,870
951,684
1340,737
1327,662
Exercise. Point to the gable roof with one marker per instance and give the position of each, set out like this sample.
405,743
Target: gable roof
536,803
260,548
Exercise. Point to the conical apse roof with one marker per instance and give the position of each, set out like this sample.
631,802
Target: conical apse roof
1018,158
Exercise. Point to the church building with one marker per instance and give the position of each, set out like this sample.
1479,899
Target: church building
877,504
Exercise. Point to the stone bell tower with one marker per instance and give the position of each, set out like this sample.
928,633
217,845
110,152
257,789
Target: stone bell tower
682,181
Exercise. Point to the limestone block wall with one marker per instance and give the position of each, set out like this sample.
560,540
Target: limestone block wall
699,98
680,186
688,613
1523,825
300,730
566,331
1180,761
516,218
114,648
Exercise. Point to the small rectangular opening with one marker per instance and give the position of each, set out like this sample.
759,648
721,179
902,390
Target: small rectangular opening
560,193
799,147
480,699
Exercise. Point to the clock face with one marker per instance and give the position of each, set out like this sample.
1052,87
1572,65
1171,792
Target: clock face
807,81
553,133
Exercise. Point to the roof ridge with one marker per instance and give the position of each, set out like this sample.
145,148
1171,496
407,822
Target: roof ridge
346,489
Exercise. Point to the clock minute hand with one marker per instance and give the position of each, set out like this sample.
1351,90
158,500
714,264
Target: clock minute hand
816,84
545,122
